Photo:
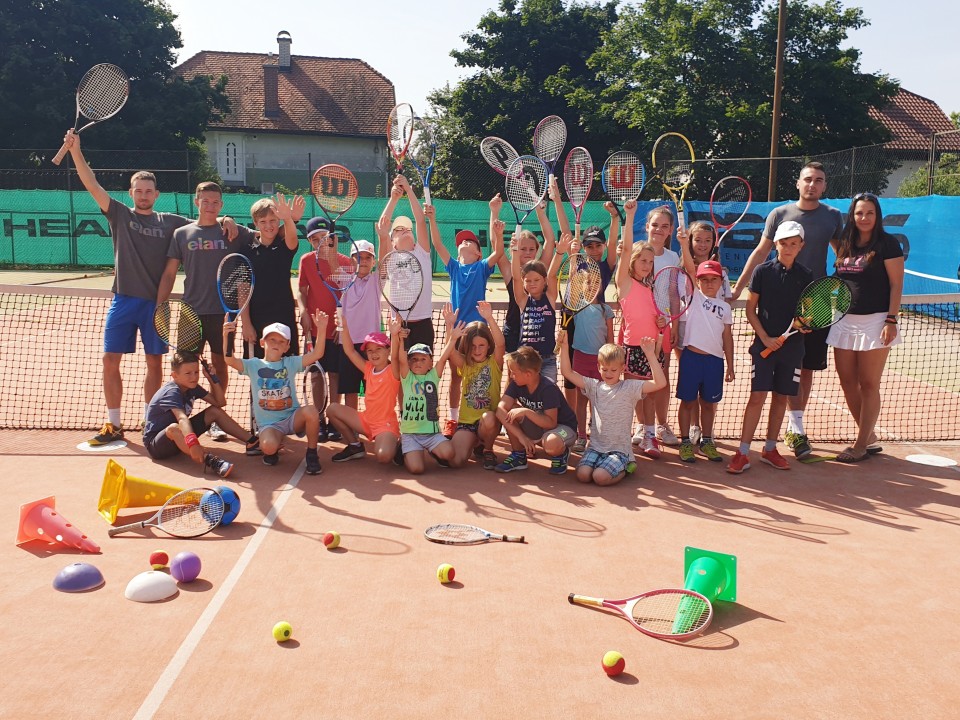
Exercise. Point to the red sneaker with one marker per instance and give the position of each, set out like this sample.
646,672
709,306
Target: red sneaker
772,457
738,463
449,428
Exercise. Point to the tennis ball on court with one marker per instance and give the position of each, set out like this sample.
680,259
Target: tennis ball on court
445,573
613,663
159,560
282,631
185,567
331,540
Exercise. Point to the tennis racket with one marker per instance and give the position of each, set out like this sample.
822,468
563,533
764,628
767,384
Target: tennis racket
526,186
102,92
623,178
189,513
664,614
729,201
577,181
400,125
549,137
315,383
822,303
235,283
423,153
335,189
583,285
498,153
673,160
457,534
180,327
401,282
672,293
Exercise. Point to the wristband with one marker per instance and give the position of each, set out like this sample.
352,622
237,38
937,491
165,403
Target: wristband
191,439
891,316
890,321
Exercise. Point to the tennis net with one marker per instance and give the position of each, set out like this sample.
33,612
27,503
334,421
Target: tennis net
52,340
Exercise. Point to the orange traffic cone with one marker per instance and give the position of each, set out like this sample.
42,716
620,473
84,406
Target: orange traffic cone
120,490
39,520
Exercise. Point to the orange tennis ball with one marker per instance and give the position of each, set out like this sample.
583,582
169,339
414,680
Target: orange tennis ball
331,540
159,559
445,573
613,663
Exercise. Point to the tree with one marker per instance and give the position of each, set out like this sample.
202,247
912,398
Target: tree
955,119
946,179
47,45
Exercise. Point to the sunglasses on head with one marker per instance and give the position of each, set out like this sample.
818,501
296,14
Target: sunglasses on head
864,196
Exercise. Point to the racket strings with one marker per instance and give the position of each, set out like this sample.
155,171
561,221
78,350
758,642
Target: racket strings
102,92
671,613
400,128
401,280
673,159
578,176
178,325
193,512
623,176
583,284
236,286
822,304
549,138
457,533
526,183
335,188
672,291
498,154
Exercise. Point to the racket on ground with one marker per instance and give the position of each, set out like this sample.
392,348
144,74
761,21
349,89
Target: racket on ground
822,303
457,534
498,153
672,293
401,282
549,137
577,181
423,153
729,203
316,387
180,327
583,285
664,614
673,162
189,513
102,92
400,126
623,178
526,186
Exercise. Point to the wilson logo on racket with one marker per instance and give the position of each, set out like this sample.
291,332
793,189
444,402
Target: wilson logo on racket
621,176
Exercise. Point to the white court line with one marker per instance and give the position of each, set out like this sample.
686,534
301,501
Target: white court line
179,660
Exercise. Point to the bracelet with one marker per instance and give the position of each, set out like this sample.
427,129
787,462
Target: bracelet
191,439
891,316
890,321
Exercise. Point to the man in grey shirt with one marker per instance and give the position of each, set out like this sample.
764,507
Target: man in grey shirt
822,226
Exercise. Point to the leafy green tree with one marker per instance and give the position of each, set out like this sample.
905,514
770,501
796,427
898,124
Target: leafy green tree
955,119
946,179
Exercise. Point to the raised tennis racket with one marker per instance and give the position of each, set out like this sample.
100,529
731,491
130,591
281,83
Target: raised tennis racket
102,92
673,160
549,137
822,303
577,181
235,283
729,203
665,614
623,178
457,534
335,189
189,513
526,186
583,285
672,293
401,282
400,126
498,153
316,387
423,153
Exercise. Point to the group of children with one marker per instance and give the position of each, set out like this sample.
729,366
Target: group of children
616,378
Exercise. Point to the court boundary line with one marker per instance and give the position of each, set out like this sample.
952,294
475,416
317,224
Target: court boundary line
154,699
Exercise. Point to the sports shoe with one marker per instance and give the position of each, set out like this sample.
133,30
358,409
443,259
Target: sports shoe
666,437
350,452
440,461
333,435
513,462
558,464
220,466
253,446
216,434
686,452
580,445
650,447
638,436
696,434
398,455
801,446
108,433
775,459
478,450
709,450
313,462
449,428
324,434
489,460
738,463
271,460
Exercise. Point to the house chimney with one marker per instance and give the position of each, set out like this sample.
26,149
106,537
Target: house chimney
284,41
271,101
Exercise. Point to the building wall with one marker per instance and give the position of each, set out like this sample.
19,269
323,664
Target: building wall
908,168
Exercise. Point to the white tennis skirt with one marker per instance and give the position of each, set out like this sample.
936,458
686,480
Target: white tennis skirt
860,333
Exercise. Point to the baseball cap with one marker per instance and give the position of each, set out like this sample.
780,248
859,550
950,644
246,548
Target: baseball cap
278,328
788,229
361,246
593,234
401,221
465,235
709,268
375,338
419,349
316,224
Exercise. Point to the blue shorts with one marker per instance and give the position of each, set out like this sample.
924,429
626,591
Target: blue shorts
701,375
614,463
126,315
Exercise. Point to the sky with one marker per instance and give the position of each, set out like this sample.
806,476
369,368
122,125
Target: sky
410,43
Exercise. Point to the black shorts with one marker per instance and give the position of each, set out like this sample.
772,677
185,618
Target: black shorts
160,446
332,357
213,335
421,331
350,376
779,372
815,349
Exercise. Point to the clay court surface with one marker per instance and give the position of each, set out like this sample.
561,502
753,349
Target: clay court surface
845,578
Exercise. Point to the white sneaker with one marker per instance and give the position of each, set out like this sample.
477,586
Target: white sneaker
638,436
666,437
696,434
650,447
216,433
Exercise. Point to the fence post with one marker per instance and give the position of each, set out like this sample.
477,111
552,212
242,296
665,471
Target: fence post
853,165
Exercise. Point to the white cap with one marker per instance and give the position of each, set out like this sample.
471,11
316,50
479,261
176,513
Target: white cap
278,328
788,229
362,246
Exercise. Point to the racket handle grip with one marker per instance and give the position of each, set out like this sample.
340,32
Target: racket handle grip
766,352
58,158
426,195
125,528
575,599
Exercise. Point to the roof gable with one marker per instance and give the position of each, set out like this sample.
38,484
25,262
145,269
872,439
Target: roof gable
912,119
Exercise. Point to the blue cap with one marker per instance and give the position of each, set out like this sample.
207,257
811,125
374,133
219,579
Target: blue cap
317,224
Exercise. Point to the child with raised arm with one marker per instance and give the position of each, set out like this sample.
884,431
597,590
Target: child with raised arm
481,368
468,281
272,379
361,307
595,329
536,296
378,420
420,380
612,402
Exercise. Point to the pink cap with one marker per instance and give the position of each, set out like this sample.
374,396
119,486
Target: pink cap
375,338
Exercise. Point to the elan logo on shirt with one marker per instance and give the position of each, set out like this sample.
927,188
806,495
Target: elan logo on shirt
146,230
202,244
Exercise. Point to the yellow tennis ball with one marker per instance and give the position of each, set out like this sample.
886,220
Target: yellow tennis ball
331,540
282,631
445,573
613,663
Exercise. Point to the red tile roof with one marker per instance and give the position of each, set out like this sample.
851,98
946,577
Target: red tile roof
912,119
337,96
